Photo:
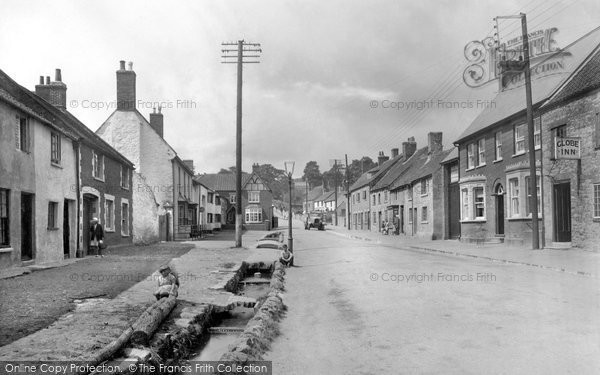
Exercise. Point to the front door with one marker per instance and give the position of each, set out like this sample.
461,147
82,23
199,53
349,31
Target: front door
453,211
26,226
401,217
499,209
562,212
89,212
66,230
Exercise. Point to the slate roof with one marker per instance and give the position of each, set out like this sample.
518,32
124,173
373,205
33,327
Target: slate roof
510,103
60,118
221,181
453,155
584,80
421,165
375,172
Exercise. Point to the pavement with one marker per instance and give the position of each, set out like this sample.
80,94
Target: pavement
362,307
573,261
96,322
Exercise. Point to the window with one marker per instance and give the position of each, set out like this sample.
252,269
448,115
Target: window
558,132
211,197
109,222
4,223
23,134
358,197
364,194
596,201
374,199
465,203
253,215
481,150
52,215
410,216
513,185
498,141
55,148
528,192
423,214
254,196
374,217
98,165
471,156
519,135
124,177
424,186
385,196
209,218
217,218
537,133
217,200
232,198
479,203
125,219
379,198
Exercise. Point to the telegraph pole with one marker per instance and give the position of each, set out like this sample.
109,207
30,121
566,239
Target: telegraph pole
239,55
348,193
525,66
335,173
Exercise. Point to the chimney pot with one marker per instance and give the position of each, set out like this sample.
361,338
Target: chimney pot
41,80
47,80
394,152
409,147
122,65
58,76
130,65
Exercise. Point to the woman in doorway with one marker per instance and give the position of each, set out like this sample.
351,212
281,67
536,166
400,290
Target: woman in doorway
96,237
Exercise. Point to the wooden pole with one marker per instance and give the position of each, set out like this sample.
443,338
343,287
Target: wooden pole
238,148
535,235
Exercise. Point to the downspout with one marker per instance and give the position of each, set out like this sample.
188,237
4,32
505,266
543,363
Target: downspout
542,185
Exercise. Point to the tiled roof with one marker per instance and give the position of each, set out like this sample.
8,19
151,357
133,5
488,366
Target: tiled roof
421,165
60,118
511,102
221,181
453,155
376,173
586,79
393,173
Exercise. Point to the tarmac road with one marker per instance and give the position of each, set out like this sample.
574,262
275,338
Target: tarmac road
361,308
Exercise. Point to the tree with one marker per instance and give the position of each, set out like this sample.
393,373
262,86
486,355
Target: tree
275,178
329,177
224,171
312,174
358,167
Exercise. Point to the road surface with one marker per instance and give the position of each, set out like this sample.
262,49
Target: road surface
356,307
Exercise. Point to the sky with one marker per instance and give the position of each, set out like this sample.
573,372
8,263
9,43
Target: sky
335,77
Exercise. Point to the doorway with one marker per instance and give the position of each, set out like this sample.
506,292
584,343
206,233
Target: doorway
27,220
499,209
453,211
562,212
401,217
90,210
66,230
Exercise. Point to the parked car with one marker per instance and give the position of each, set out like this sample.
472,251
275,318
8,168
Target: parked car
270,244
314,222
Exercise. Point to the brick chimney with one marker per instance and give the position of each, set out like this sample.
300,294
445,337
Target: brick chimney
394,153
381,158
409,147
55,92
189,164
125,87
434,142
157,121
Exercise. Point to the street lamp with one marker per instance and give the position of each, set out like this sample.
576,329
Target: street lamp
289,170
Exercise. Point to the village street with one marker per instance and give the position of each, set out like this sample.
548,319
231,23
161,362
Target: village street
363,308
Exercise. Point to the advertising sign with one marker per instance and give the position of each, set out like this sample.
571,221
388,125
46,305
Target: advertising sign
567,148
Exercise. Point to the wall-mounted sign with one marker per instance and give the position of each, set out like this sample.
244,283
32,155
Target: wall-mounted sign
567,148
484,57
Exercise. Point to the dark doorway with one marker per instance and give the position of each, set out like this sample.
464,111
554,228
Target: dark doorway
26,226
562,212
453,211
396,220
401,217
415,221
66,230
231,215
499,210
90,210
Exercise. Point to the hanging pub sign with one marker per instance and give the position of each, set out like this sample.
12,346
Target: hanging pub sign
567,148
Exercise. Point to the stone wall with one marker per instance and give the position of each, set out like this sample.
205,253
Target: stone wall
581,119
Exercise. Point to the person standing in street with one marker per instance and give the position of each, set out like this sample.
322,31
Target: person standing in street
96,237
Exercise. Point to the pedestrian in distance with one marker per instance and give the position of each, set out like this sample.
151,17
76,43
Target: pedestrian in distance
96,237
168,283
